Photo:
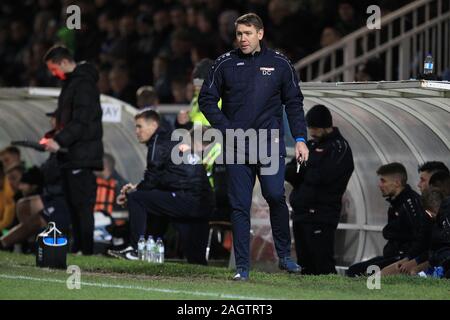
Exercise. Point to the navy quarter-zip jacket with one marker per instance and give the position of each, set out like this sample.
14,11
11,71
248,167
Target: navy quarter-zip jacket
253,89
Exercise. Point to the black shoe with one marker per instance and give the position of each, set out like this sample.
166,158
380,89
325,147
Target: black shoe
241,275
289,265
128,253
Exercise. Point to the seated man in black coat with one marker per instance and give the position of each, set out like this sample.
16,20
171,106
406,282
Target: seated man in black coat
179,191
408,229
318,189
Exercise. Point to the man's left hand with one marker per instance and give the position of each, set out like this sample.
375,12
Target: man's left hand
408,267
301,152
52,146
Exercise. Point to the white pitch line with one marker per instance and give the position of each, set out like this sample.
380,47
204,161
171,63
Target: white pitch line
117,286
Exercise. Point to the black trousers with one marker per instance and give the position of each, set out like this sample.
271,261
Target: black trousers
314,245
360,268
179,207
80,190
240,181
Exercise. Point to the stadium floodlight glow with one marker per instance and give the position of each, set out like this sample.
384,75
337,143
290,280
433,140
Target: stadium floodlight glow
44,92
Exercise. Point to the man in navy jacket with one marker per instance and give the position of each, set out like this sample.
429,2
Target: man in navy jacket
254,83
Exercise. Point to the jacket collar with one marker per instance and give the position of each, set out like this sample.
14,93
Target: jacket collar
401,196
256,54
333,135
155,135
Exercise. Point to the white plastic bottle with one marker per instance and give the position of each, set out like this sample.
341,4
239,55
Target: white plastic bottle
428,64
141,248
160,250
149,249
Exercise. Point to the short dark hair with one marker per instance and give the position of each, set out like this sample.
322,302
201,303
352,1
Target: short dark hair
58,53
11,149
147,94
250,19
431,199
394,168
441,181
432,167
148,115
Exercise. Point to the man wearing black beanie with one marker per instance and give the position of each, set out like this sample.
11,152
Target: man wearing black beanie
317,195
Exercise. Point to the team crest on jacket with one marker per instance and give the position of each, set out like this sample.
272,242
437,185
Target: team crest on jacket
266,71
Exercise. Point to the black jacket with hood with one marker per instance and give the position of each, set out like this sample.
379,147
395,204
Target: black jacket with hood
408,230
320,185
163,174
79,120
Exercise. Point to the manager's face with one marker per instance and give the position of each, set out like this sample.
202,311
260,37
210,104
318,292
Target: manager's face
248,38
145,129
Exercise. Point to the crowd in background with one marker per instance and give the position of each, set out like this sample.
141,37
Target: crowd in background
158,42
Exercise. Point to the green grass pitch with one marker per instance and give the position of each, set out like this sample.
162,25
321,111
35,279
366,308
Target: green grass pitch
107,278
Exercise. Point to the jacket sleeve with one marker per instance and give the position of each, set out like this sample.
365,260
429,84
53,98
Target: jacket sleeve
155,166
422,229
85,98
210,95
335,161
292,98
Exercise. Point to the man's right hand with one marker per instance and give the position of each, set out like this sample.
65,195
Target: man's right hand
127,188
301,152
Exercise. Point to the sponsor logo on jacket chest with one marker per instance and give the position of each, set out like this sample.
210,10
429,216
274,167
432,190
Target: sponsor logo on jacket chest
266,71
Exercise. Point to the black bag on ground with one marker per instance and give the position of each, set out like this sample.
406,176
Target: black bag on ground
51,248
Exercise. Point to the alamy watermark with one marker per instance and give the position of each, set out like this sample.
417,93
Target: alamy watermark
74,280
240,147
374,20
374,279
74,20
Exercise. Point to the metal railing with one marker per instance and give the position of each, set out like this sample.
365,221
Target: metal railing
405,37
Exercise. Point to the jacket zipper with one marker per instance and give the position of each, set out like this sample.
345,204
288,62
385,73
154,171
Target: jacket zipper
154,147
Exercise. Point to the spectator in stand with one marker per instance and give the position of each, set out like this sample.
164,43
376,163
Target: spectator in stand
226,30
180,64
99,37
329,36
191,16
103,80
179,90
286,27
372,70
143,59
15,50
207,32
348,20
107,25
123,48
162,31
121,87
178,18
161,79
